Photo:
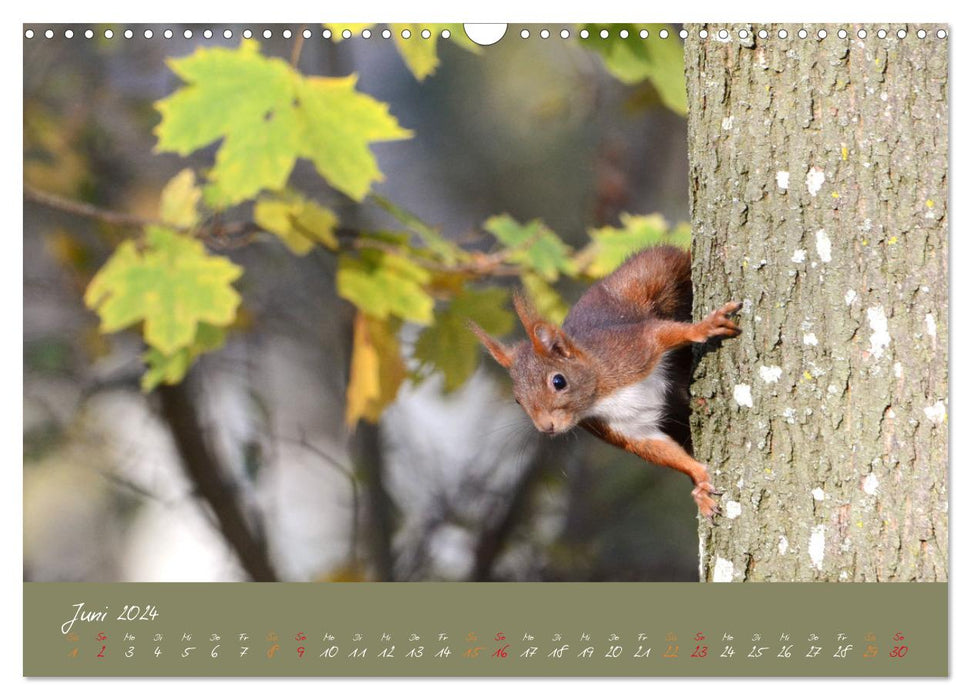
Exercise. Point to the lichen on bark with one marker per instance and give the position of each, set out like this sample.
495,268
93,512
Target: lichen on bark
818,177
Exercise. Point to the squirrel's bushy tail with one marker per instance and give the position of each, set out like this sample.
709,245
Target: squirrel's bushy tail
660,277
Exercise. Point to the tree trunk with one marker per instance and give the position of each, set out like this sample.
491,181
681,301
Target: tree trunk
819,200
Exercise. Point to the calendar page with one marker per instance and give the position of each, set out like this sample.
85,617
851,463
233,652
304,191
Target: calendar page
551,350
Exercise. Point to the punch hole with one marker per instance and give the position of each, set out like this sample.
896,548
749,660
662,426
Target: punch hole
49,33
941,34
228,34
386,34
524,34
267,34
644,34
703,33
604,34
446,34
327,34
545,34
207,34
485,34
366,34
624,33
405,34
88,34
247,34
187,34
763,34
663,33
307,33
69,33
861,34
723,34
921,34
821,34
802,33
901,33
683,34
425,34
287,34
109,34
882,34
564,33
783,34
742,34
29,34
842,34
168,34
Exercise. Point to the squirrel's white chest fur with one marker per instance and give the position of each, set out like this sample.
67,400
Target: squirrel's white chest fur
635,411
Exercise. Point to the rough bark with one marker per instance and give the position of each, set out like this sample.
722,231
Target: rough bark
819,199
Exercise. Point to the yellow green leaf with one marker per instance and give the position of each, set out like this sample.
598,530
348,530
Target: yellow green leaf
609,247
267,115
449,346
438,245
384,284
549,304
634,59
420,54
533,245
171,285
300,223
377,370
171,369
179,204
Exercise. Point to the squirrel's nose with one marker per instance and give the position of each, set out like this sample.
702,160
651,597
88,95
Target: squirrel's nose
550,428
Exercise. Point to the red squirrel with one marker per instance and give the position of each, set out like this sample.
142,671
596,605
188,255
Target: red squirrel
620,365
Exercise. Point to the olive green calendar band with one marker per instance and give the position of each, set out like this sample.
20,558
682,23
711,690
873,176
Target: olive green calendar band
485,629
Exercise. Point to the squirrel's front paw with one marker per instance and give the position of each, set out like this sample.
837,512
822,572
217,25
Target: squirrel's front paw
702,493
719,324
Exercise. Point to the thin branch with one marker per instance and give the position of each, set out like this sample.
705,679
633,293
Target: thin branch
208,476
89,211
297,46
238,234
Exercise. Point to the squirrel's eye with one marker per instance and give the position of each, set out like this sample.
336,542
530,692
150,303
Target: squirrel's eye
559,382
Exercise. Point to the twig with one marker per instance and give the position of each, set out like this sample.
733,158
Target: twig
297,46
206,473
89,211
238,234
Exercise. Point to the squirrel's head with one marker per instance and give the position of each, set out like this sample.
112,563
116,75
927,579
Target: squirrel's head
553,378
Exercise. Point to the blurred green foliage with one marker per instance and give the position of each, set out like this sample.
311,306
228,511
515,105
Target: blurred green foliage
265,116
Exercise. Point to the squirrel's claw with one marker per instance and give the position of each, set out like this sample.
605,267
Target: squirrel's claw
702,493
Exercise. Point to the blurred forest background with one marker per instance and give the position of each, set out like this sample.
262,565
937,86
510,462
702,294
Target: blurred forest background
449,485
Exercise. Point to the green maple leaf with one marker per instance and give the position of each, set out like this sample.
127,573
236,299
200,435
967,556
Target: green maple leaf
609,247
384,284
421,55
268,115
171,285
300,223
449,346
171,369
633,60
533,244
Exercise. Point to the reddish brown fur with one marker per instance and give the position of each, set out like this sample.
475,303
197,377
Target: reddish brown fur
614,337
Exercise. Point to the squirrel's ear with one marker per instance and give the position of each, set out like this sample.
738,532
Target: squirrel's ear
549,340
501,353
